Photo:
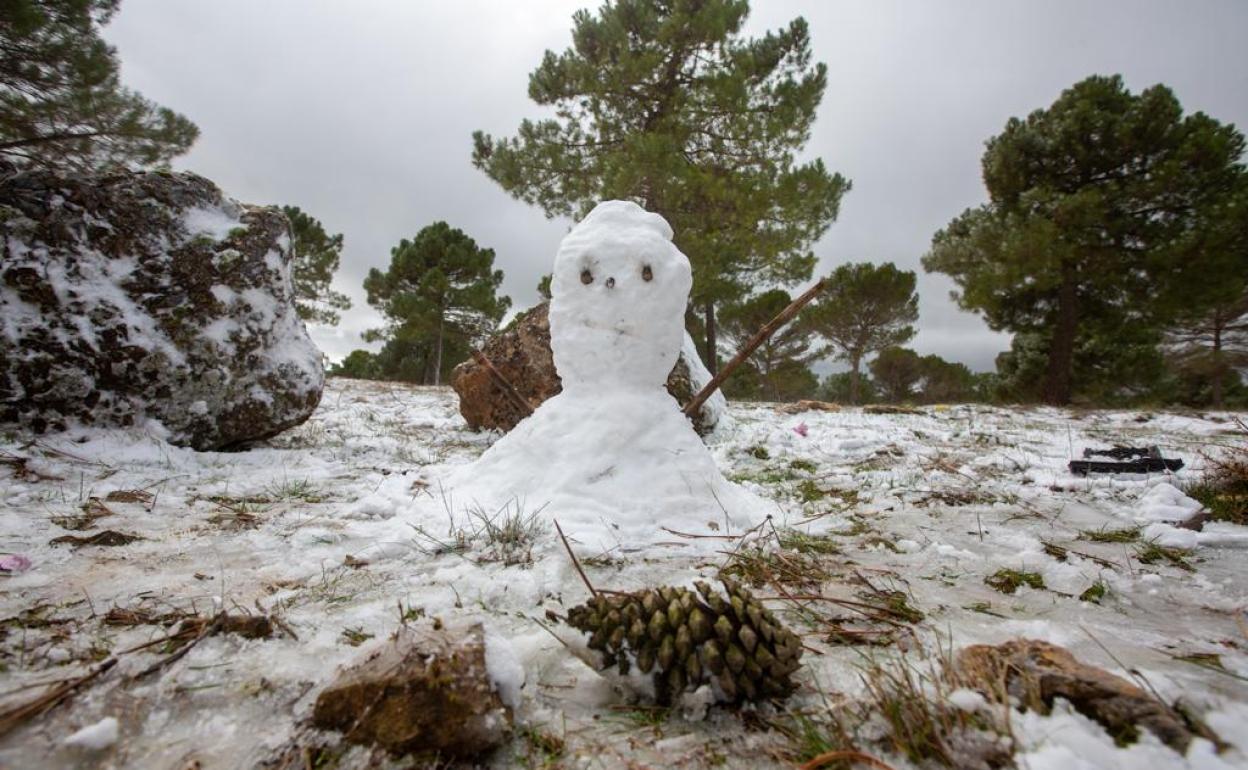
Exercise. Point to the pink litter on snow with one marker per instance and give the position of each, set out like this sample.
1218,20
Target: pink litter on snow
801,429
14,562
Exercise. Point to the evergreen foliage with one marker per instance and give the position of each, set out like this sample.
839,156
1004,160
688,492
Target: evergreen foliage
317,254
358,365
863,309
61,99
902,375
780,368
836,388
439,299
1209,338
945,382
667,104
897,372
1092,203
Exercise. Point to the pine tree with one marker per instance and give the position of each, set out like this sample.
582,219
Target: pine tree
61,99
438,296
836,388
317,254
1210,331
358,365
667,104
863,309
945,382
897,371
1083,236
781,362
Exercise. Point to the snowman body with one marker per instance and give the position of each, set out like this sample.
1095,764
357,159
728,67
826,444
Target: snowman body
611,457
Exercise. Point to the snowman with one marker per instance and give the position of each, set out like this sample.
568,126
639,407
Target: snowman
611,457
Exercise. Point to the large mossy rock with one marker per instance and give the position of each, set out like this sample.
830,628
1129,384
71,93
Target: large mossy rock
521,354
133,297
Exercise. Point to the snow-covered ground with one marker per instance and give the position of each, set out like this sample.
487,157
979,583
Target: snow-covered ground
340,528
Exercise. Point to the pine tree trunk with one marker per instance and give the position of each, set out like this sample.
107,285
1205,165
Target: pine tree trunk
855,361
1057,386
1217,362
437,356
712,347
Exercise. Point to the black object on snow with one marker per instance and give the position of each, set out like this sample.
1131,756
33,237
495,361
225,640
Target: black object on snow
1125,460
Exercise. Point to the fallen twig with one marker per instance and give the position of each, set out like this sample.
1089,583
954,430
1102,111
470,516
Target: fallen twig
692,536
759,338
575,563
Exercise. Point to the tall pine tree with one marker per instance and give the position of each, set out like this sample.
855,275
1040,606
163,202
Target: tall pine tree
1084,232
439,292
667,104
61,99
863,309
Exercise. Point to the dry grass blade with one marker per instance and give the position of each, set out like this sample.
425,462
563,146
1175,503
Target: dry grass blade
18,715
845,756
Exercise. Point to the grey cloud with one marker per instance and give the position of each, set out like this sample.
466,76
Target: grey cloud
361,113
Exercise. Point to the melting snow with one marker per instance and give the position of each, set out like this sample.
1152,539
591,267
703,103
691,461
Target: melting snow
960,492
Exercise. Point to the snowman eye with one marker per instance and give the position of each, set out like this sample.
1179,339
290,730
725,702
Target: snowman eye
646,273
587,277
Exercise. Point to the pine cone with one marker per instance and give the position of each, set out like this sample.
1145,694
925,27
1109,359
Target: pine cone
685,639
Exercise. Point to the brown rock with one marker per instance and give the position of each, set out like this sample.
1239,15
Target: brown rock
422,692
1037,672
521,354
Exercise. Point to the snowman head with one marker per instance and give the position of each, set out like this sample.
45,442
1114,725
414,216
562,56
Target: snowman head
618,298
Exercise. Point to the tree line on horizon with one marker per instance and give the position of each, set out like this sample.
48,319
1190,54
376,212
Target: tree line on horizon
1113,245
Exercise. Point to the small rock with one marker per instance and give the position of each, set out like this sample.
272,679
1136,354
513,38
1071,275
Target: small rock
423,692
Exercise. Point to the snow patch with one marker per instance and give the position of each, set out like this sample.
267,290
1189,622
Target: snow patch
504,668
1166,502
100,735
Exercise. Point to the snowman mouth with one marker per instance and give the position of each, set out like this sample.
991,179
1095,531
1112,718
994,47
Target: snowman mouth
621,329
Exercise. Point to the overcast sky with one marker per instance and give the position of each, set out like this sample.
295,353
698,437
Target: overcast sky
361,113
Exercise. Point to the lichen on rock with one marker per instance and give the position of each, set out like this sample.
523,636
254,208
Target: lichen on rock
150,296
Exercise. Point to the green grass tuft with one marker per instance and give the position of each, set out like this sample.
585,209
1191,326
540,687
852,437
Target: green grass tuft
1128,535
1007,581
1094,593
803,465
1155,553
795,540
